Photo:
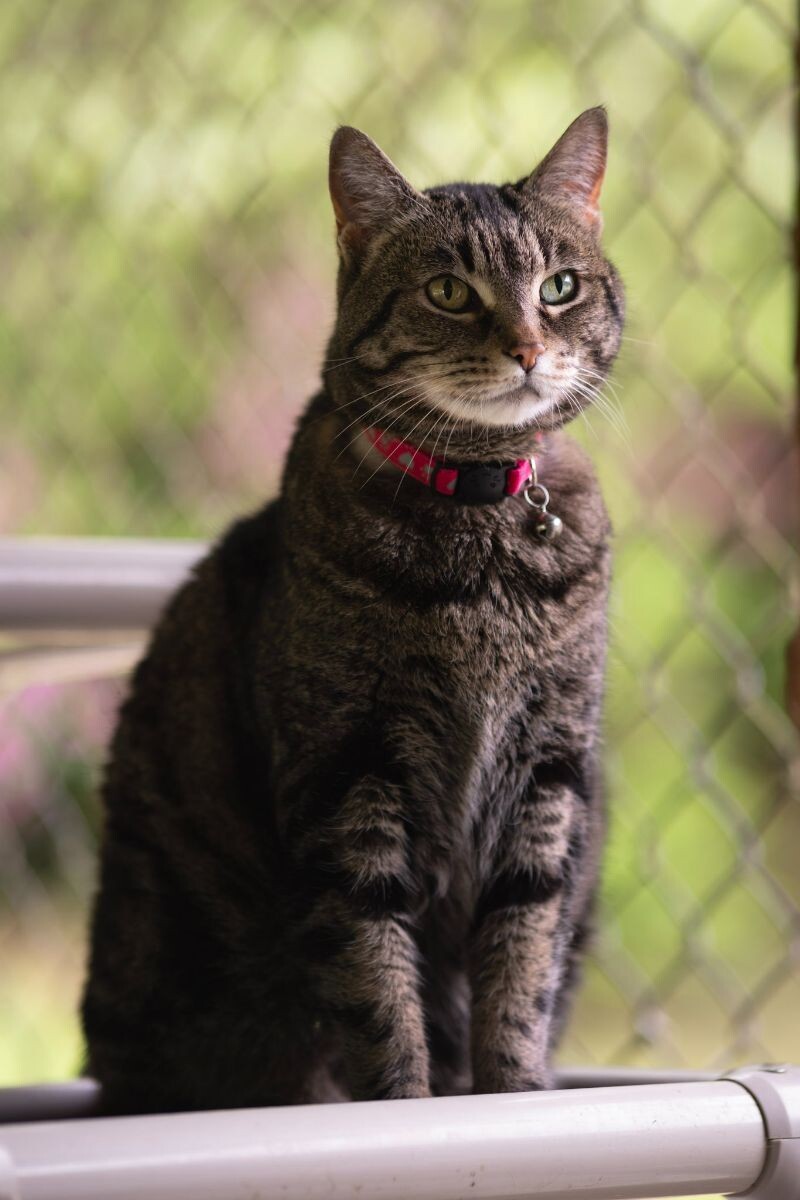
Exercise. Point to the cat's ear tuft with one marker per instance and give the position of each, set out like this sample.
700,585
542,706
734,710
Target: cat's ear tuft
367,190
572,173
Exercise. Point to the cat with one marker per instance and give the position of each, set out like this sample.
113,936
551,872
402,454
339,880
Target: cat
353,804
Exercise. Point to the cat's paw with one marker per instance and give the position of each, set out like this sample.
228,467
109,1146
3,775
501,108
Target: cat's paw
507,1074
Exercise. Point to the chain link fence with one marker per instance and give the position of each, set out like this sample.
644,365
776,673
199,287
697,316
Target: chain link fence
168,268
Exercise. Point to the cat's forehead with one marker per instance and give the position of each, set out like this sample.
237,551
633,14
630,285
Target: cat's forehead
498,230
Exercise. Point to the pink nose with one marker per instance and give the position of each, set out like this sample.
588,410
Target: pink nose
526,354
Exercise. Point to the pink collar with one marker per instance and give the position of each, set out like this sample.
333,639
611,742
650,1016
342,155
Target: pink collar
467,483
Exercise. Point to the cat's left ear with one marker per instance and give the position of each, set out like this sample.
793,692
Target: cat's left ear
367,190
571,175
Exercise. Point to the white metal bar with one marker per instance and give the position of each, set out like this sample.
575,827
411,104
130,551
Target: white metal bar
89,583
673,1139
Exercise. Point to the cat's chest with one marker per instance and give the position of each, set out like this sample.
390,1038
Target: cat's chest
464,675
511,625
489,674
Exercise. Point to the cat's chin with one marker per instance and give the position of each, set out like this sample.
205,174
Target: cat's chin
517,407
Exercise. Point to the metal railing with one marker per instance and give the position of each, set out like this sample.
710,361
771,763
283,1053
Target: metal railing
607,1143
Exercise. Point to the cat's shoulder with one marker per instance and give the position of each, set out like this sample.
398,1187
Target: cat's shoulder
249,547
245,560
225,587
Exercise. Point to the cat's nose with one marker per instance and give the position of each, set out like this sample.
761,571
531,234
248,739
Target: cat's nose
526,354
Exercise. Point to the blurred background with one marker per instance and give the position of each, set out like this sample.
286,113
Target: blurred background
168,278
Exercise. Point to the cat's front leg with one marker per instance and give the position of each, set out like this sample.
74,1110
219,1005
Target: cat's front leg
521,934
359,942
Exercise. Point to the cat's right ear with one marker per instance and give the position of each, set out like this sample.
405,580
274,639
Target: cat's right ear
367,190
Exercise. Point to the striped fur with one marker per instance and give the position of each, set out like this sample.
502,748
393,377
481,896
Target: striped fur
353,819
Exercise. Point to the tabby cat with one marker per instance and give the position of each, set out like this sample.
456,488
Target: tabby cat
353,817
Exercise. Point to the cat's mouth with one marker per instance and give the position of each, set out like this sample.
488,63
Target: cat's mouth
525,387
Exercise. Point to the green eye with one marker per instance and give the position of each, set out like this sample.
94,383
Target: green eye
559,288
449,293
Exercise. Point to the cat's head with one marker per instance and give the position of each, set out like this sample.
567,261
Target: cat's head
471,305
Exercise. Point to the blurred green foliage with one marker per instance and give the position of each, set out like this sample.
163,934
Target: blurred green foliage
168,271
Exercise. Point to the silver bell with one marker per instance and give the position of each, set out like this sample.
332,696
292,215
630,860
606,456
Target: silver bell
549,526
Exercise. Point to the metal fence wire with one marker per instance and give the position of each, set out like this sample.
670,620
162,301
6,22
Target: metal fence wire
168,280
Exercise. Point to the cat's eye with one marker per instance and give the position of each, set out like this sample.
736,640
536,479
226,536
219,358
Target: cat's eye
559,288
450,293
